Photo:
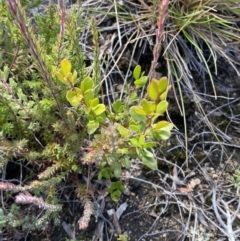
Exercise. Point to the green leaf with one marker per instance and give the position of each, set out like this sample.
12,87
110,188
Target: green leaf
90,117
134,142
126,162
163,96
88,111
115,190
74,97
87,84
144,144
5,72
117,106
141,139
103,164
94,102
117,186
163,125
133,96
75,168
105,173
139,110
162,134
100,176
122,151
142,126
62,78
162,84
134,112
66,67
153,90
149,144
137,72
92,126
124,132
162,107
141,82
148,106
117,170
99,109
115,195
135,128
119,116
88,96
69,77
101,118
147,158
74,77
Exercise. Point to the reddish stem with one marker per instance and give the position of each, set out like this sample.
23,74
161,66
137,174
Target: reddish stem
162,16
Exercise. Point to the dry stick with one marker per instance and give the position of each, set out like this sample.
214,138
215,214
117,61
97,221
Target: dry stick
117,21
69,231
228,226
162,16
116,223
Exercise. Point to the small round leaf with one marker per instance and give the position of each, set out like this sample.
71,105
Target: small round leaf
66,66
162,107
153,90
137,72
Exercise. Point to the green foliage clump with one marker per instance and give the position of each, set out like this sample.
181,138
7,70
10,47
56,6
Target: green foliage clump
49,107
36,130
129,131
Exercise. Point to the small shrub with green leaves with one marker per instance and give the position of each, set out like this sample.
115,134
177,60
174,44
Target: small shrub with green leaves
129,131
